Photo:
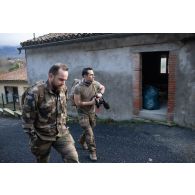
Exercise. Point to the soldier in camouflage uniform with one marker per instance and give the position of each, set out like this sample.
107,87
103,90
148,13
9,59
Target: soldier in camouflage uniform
44,116
84,97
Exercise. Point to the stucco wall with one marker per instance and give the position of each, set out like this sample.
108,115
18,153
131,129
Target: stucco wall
185,86
113,64
112,68
20,86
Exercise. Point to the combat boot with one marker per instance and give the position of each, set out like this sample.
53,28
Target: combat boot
93,156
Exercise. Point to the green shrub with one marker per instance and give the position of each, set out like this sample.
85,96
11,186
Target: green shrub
14,67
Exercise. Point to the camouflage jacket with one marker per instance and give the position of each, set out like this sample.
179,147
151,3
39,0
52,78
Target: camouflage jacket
44,112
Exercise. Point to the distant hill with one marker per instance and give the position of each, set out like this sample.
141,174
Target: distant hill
10,52
10,59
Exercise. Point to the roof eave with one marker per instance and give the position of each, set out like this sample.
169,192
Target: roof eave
86,39
14,81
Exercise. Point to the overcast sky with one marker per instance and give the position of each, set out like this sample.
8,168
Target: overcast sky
14,39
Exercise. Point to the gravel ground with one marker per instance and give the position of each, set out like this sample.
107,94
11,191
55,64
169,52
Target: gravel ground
116,143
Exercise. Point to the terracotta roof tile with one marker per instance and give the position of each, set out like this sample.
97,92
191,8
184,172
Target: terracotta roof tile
17,75
55,37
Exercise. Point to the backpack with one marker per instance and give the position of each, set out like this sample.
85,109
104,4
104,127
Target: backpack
71,95
27,90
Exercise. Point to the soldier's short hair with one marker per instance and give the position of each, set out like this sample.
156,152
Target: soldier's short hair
55,68
85,70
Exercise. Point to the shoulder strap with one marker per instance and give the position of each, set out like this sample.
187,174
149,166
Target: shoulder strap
41,92
94,88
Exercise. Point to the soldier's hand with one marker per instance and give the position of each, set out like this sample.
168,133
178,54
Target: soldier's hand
93,101
32,135
98,95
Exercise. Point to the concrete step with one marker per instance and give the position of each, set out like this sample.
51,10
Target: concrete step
153,114
18,113
8,111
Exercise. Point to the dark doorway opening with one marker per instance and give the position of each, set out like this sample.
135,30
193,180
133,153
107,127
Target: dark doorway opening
11,94
155,73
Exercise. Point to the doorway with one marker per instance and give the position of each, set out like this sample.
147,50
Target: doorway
154,85
11,94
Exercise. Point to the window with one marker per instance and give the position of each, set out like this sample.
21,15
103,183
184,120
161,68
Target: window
163,65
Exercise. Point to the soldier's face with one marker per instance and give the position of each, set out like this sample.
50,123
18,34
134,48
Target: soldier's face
58,81
90,76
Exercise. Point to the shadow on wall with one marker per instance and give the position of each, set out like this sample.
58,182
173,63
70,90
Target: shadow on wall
118,94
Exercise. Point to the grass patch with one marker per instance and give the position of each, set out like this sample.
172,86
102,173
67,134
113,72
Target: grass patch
14,67
137,121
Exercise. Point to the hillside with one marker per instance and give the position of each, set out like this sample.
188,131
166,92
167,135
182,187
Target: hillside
10,59
10,52
7,65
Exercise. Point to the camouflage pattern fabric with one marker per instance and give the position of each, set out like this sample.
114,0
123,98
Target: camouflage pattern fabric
87,92
45,112
86,114
44,118
88,122
64,145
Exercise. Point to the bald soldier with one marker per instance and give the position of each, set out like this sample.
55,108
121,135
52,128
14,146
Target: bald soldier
44,116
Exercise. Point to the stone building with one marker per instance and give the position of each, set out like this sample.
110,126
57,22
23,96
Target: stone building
125,64
12,85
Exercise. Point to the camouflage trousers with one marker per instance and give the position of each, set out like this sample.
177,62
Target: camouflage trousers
64,145
88,122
